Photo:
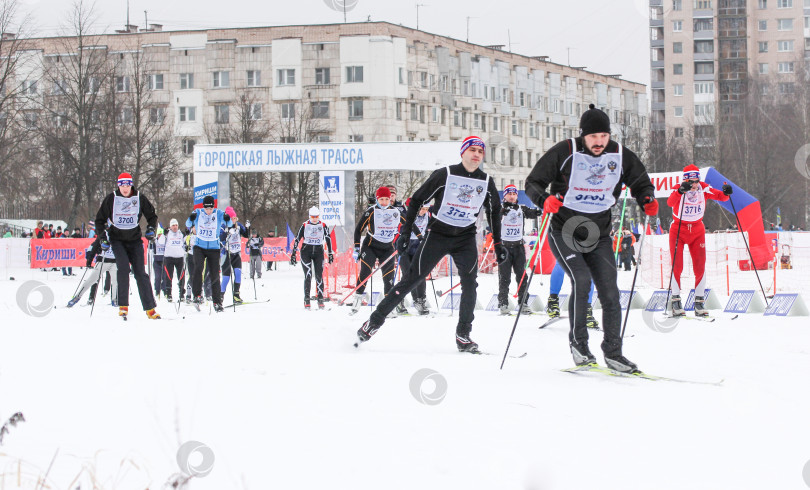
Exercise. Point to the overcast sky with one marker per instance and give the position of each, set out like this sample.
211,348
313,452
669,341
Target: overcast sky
607,37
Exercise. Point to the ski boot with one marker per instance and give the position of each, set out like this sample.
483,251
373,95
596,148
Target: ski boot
152,314
621,364
553,307
123,311
590,321
306,304
359,300
169,297
114,303
582,355
321,305
188,300
366,331
218,307
73,302
401,310
236,298
675,306
90,301
700,307
525,309
466,344
421,306
503,309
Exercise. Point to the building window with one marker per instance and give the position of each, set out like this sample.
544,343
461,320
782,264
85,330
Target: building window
784,46
423,79
786,88
286,76
186,81
221,114
414,112
434,114
677,5
704,46
157,114
126,116
704,68
355,109
703,110
678,111
322,76
456,118
763,46
122,84
156,81
496,124
188,114
784,4
288,110
30,119
93,85
703,24
677,90
762,4
354,74
677,26
255,112
785,24
401,72
188,146
703,4
679,132
319,110
763,25
221,79
704,88
763,68
29,87
677,47
356,138
677,69
188,180
254,78
785,67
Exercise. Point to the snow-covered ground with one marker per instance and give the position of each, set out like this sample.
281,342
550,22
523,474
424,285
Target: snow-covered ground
283,400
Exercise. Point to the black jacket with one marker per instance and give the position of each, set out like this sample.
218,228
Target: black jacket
433,190
554,169
105,213
366,221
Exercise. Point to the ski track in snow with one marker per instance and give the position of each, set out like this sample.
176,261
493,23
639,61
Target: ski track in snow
284,401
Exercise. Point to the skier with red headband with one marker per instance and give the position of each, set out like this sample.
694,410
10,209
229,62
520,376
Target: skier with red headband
688,203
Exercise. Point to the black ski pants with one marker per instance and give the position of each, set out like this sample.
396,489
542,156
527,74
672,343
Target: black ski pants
312,263
371,252
515,262
464,252
581,267
420,291
130,254
206,260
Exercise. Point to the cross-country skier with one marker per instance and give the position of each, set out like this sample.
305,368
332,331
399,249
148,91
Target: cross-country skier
553,303
105,261
174,257
512,216
382,222
206,249
419,293
230,236
586,176
123,209
459,192
158,247
689,231
255,244
314,233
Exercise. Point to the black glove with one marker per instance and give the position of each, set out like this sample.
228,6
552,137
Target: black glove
500,253
89,260
226,218
150,233
403,242
293,260
331,257
105,245
685,187
727,190
192,216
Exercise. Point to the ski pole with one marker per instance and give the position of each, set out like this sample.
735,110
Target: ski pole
753,265
98,284
80,283
635,275
543,225
525,296
340,303
621,224
452,287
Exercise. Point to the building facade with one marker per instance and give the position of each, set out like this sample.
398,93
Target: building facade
370,81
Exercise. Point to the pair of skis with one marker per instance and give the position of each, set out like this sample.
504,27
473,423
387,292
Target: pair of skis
595,368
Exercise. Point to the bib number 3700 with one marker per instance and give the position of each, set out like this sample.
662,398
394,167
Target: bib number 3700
126,220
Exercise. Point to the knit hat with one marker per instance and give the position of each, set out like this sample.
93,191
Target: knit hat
383,192
173,222
691,172
472,141
125,179
230,212
314,211
594,121
208,202
510,188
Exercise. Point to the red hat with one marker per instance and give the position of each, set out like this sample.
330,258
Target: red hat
125,179
691,172
383,192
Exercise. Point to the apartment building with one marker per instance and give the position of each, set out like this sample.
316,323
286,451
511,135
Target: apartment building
372,81
704,53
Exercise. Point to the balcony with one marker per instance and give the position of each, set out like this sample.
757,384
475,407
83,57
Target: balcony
704,77
434,129
656,43
707,34
656,22
658,106
657,64
702,13
704,56
657,85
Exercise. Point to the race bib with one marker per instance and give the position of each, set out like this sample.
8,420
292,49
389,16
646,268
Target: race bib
512,226
126,211
462,200
207,226
593,179
313,234
420,223
386,223
694,205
